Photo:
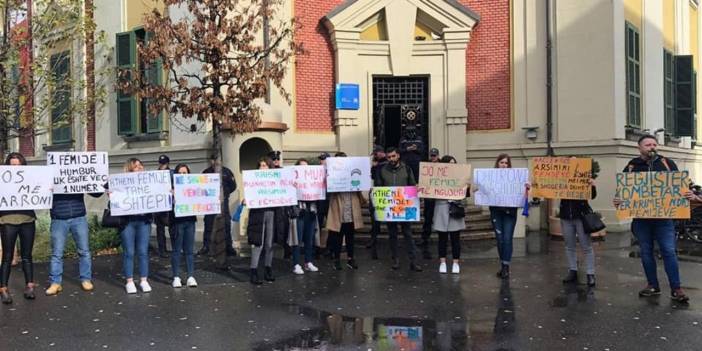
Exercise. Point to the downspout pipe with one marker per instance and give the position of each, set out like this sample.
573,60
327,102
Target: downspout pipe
549,78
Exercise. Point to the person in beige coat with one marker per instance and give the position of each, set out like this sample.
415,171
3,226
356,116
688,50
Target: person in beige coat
343,219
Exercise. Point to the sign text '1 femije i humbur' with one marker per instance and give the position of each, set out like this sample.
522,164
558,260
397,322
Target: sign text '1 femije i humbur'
78,172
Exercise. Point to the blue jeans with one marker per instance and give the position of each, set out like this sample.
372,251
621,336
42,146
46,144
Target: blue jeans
663,231
60,228
503,222
305,235
183,243
136,234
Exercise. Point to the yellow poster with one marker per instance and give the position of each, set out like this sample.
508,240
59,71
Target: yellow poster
561,178
653,195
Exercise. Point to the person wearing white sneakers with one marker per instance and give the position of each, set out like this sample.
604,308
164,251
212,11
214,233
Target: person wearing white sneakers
304,230
449,223
135,234
183,241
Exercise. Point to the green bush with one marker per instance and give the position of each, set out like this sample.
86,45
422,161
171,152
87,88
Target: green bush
102,240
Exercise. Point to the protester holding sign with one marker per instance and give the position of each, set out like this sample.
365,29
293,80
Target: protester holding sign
228,187
16,224
135,234
343,220
449,224
183,238
396,173
305,223
504,220
649,230
428,211
68,214
571,213
163,219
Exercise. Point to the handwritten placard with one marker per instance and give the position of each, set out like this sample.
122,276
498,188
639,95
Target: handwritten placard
25,188
652,195
79,172
348,174
561,178
196,194
502,187
310,182
140,192
396,204
447,181
270,188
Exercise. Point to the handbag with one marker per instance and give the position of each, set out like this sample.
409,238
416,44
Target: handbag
592,222
110,221
456,210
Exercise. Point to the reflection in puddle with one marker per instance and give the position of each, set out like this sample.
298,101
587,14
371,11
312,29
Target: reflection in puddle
338,332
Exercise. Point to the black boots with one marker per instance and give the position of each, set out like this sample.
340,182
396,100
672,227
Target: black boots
337,264
590,280
254,277
414,267
395,264
504,272
572,277
5,296
268,275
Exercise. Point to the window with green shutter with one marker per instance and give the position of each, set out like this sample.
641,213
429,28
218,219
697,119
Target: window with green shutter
684,95
633,76
125,47
668,92
61,120
153,73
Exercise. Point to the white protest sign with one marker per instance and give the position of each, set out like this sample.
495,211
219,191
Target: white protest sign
310,182
270,188
196,194
79,172
140,192
25,188
502,187
348,174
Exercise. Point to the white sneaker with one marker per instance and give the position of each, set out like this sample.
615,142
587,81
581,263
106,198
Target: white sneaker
455,269
191,282
442,267
145,287
298,269
311,267
177,283
131,288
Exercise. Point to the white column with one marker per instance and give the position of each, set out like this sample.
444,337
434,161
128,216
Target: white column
456,111
652,64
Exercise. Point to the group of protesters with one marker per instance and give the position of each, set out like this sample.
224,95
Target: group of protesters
298,228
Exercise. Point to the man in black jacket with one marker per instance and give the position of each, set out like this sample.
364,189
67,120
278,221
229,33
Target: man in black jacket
661,230
228,187
163,219
396,173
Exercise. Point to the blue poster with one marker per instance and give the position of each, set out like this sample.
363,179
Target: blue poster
347,96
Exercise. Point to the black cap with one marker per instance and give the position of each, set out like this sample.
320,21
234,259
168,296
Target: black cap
434,152
274,155
324,155
378,148
163,159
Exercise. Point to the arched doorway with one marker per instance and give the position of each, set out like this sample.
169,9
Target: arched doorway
250,151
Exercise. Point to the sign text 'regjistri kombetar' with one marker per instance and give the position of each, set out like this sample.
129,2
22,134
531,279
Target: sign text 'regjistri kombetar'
653,195
78,172
443,180
396,204
502,187
25,188
196,194
140,192
270,188
561,178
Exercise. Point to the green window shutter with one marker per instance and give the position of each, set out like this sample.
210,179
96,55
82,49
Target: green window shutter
633,76
668,92
61,121
154,75
684,96
125,47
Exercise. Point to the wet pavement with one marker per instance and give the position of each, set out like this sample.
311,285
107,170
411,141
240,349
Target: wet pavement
372,308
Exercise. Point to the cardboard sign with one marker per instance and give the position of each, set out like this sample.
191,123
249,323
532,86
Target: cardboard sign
270,188
502,187
25,188
196,194
652,195
396,203
561,178
448,181
79,172
137,193
310,182
348,174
